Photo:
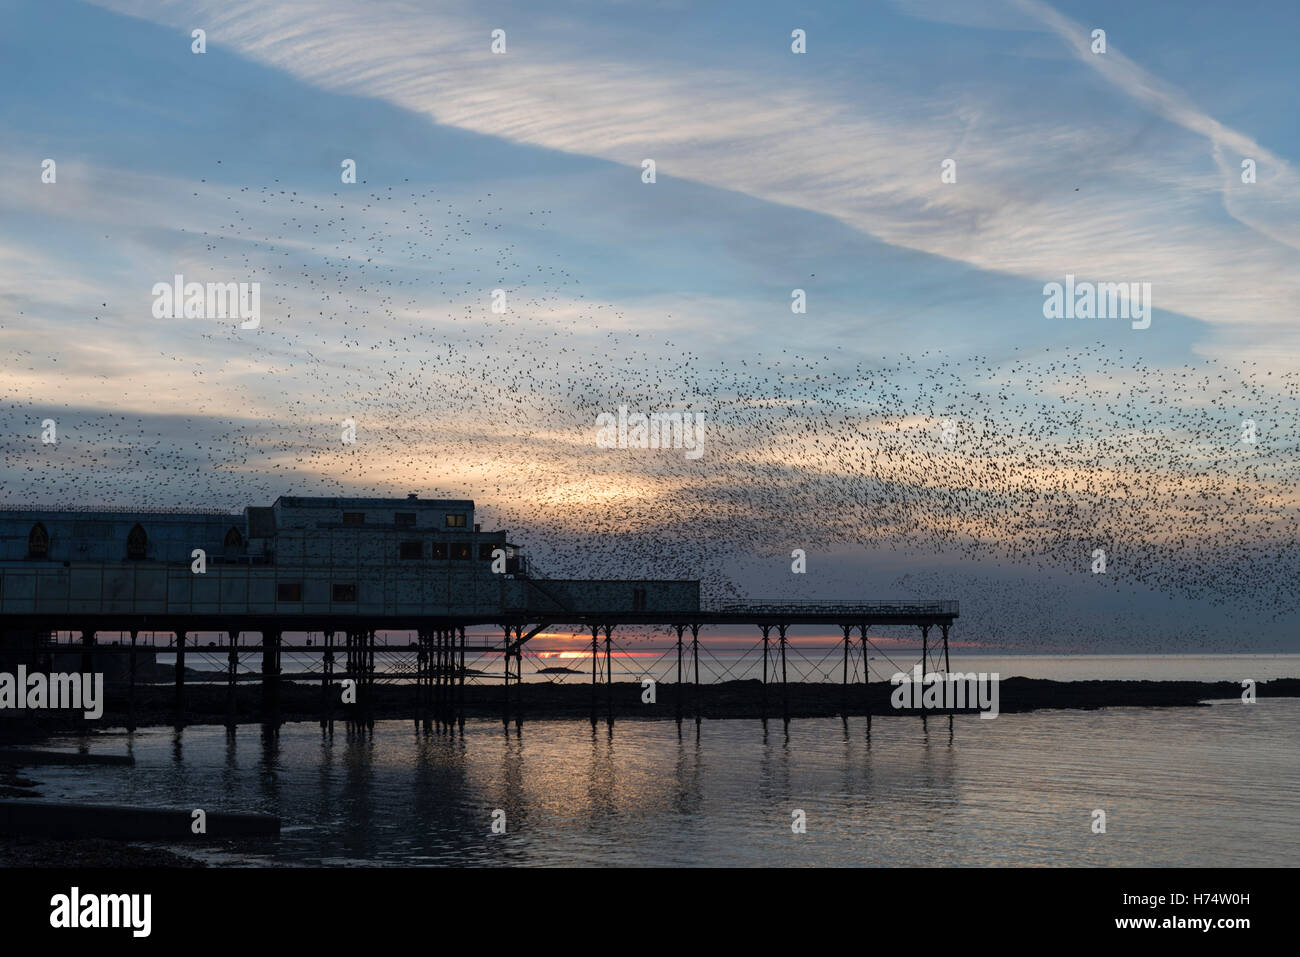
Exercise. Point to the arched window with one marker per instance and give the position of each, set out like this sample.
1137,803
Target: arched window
234,539
38,542
136,542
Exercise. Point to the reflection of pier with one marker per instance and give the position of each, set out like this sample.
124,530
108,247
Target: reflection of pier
350,568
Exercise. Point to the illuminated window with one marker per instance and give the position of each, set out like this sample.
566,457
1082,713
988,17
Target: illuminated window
460,550
439,549
455,519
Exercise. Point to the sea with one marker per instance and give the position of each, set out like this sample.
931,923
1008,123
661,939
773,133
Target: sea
1216,785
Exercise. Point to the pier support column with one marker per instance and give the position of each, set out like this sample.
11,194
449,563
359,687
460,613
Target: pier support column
326,676
680,629
944,629
925,650
695,658
232,671
505,656
519,675
437,676
767,631
866,657
448,677
595,661
352,672
460,679
368,701
87,649
427,638
130,686
180,672
785,696
866,675
609,674
844,707
270,675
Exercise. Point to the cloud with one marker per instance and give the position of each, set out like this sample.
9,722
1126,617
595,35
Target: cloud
868,156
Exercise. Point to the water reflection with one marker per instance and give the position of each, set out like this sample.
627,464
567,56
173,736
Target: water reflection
1191,786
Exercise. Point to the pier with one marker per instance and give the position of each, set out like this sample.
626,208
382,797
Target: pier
348,570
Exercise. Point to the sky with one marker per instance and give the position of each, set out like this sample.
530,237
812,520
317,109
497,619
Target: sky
923,429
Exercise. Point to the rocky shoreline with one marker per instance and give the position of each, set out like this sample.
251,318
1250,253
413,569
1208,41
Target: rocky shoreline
207,703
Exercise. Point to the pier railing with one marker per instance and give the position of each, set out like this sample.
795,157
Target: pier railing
855,608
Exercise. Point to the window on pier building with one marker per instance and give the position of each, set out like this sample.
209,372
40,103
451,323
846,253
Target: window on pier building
354,518
288,591
234,539
38,542
460,550
638,599
455,519
440,550
345,592
137,543
404,519
410,550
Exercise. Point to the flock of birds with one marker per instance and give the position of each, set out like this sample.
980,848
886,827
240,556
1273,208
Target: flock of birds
377,307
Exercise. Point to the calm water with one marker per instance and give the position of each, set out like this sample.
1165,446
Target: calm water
1216,785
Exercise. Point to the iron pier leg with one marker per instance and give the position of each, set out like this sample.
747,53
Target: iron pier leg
130,692
945,628
370,676
443,675
925,650
519,675
680,629
695,658
270,676
232,668
866,676
595,659
87,649
785,693
419,678
439,637
460,680
180,673
844,707
327,679
505,708
609,676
